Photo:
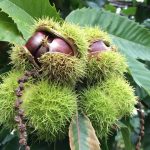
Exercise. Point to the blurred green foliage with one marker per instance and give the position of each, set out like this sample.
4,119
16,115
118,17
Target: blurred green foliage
136,8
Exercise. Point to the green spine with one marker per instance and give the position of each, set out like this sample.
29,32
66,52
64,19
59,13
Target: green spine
105,64
108,102
7,98
49,108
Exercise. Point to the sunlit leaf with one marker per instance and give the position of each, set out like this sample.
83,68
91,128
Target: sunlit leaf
82,135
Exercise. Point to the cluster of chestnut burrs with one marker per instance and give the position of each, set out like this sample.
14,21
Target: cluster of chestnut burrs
76,54
40,43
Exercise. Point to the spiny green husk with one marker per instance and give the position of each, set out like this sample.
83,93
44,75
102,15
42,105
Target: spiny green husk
20,57
62,68
121,93
46,24
56,66
49,108
100,110
69,32
7,98
95,33
103,65
105,103
77,37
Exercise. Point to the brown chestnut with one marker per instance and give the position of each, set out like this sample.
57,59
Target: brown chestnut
98,46
42,50
35,42
61,46
44,47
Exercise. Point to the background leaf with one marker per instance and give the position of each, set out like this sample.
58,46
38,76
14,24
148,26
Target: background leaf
132,39
140,74
4,57
58,145
37,8
24,12
22,19
146,139
129,11
8,30
82,135
126,136
110,8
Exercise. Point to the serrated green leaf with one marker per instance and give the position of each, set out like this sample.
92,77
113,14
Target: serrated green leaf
82,135
37,8
22,19
140,74
132,39
8,30
23,12
131,49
